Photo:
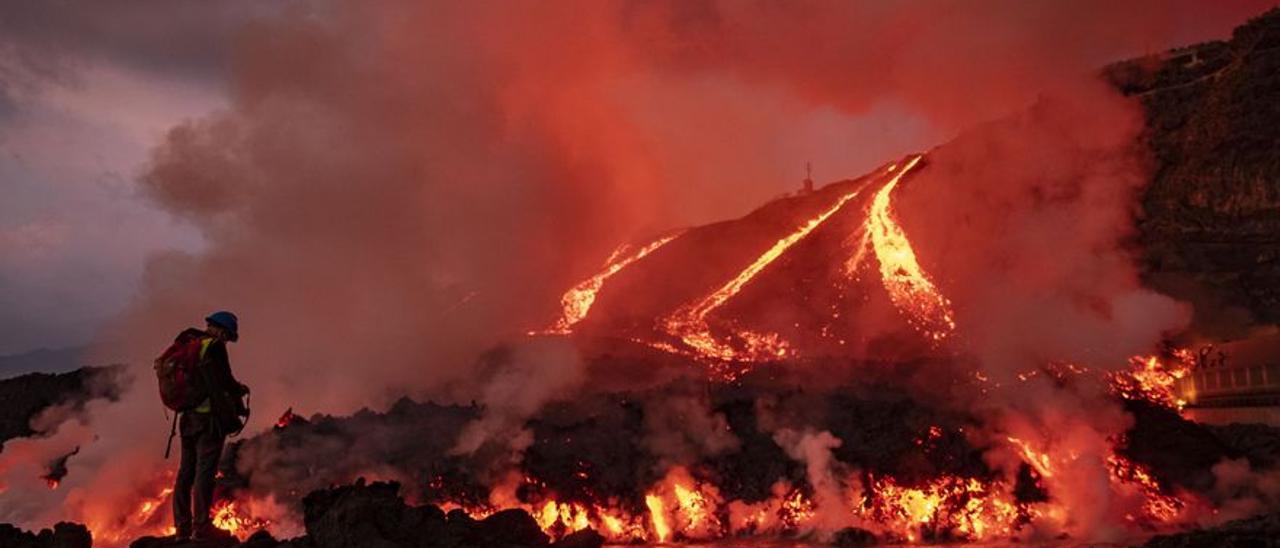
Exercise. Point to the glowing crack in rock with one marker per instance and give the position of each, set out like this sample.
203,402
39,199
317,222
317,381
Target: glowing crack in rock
577,301
689,323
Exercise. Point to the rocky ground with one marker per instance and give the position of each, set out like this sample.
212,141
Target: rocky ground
369,515
63,535
1256,532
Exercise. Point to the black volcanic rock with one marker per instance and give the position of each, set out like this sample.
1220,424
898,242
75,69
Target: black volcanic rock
1259,443
1179,452
23,397
360,515
63,535
374,515
586,538
1256,532
222,541
853,536
509,528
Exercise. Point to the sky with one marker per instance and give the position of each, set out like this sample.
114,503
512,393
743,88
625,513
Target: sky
90,91
86,91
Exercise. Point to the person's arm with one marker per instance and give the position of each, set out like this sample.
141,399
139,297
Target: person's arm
222,375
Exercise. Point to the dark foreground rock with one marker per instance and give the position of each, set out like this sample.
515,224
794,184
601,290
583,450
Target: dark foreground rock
373,515
63,535
220,541
853,536
1255,532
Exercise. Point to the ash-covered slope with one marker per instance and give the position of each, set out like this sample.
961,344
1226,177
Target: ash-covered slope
1212,225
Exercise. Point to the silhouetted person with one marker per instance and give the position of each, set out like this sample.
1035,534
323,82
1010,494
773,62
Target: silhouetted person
205,427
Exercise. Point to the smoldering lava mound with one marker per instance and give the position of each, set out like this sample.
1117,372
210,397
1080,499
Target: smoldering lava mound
615,445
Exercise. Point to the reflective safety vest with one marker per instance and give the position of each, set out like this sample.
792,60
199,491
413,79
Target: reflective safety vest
206,406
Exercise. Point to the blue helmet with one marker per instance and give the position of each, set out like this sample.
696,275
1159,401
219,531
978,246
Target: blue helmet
225,320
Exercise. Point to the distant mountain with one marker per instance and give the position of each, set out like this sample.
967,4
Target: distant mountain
44,360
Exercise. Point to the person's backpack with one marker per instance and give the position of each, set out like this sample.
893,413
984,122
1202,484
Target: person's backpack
182,384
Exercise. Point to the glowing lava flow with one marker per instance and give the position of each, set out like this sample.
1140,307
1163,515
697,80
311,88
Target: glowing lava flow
230,517
948,507
1153,379
577,301
110,528
909,287
689,323
658,513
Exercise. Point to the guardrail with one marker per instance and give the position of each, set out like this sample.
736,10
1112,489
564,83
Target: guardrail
1232,386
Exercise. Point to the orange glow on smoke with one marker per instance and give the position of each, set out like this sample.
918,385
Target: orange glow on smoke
689,323
577,301
909,287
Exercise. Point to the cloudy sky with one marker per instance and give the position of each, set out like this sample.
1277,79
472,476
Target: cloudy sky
89,89
86,90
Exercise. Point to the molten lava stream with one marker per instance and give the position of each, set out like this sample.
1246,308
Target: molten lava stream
909,287
230,516
577,301
109,528
1154,380
689,323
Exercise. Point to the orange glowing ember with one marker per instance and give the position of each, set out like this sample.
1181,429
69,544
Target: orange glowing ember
658,515
696,511
577,301
1153,379
909,287
286,418
110,527
948,507
1157,506
231,517
689,323
148,507
1041,462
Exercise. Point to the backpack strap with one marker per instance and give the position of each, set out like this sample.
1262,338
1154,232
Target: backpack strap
173,430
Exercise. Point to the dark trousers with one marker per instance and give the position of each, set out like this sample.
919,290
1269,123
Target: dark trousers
201,450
